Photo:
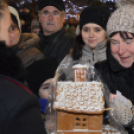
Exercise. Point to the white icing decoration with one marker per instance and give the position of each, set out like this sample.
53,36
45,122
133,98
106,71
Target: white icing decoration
82,96
80,66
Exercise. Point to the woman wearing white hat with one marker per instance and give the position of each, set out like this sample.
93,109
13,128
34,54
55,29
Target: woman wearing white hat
118,69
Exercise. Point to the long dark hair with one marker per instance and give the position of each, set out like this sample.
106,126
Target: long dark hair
77,47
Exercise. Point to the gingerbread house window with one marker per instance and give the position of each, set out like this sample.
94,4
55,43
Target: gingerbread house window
81,122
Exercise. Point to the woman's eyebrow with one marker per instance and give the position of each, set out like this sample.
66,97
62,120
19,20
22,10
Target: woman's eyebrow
112,39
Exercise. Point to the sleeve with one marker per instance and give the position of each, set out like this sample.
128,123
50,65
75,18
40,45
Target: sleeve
25,118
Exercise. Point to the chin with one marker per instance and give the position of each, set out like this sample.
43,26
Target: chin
126,65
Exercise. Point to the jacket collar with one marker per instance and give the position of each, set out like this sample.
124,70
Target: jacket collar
56,35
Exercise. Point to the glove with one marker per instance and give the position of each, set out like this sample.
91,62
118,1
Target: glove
122,109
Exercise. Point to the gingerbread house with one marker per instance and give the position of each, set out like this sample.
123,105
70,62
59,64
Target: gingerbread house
79,105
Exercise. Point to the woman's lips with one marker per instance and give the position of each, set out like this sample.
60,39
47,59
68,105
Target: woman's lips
91,41
124,58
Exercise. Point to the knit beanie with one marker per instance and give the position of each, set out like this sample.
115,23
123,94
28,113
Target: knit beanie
56,3
122,19
96,14
15,13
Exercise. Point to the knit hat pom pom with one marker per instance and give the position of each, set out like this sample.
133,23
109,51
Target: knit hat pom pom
120,3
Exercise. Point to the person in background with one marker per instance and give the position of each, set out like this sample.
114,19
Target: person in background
72,25
54,40
19,107
91,43
28,16
25,44
35,26
118,70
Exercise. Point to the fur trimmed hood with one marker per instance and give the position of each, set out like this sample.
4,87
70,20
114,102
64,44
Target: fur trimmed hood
10,63
27,49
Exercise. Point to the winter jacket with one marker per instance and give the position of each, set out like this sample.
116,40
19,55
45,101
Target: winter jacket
88,56
27,49
57,45
117,77
19,107
38,67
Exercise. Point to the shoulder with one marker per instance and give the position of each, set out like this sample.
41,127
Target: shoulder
12,93
17,103
67,59
65,35
69,36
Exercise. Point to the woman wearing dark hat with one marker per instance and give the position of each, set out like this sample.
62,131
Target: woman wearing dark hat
118,69
90,45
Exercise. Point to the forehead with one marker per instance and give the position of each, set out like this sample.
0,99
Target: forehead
6,18
5,23
50,9
92,25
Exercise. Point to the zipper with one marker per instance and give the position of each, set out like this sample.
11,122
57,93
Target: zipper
93,56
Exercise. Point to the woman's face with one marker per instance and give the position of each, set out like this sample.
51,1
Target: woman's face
123,50
14,34
92,34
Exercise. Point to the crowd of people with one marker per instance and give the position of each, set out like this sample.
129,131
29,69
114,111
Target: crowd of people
30,55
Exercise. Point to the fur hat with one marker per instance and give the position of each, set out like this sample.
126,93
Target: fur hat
122,19
56,3
96,14
15,13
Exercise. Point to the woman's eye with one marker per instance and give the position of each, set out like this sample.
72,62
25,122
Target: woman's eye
85,29
12,28
128,41
114,42
97,30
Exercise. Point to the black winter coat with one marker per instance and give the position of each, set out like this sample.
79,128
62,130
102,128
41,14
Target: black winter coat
117,77
57,45
19,107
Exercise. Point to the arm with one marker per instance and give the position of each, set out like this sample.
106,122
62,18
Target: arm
25,118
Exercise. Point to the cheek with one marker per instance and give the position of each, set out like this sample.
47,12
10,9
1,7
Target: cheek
131,49
84,35
102,36
114,49
42,21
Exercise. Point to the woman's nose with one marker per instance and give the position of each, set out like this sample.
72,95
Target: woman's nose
91,34
122,48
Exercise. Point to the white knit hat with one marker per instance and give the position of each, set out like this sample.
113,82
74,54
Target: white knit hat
122,19
15,13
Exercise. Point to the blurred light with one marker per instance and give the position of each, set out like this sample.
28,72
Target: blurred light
21,3
30,1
